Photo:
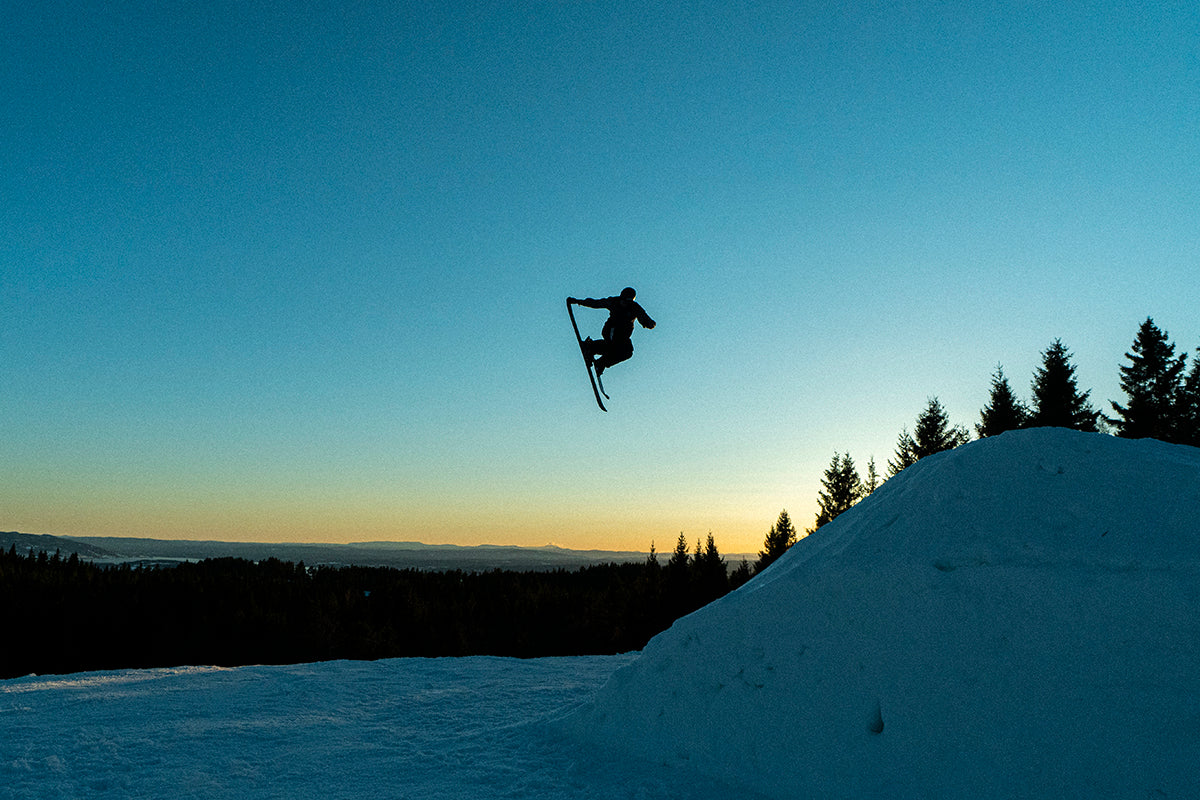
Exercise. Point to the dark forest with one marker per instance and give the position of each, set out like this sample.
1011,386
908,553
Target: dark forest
69,615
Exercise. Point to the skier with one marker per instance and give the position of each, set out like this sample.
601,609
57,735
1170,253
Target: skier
616,346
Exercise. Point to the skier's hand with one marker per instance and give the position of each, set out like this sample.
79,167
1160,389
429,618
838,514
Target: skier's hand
572,300
651,325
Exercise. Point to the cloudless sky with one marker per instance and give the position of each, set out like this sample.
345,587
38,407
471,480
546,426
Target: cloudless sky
296,271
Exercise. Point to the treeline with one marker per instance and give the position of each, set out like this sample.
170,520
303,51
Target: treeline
1162,401
69,615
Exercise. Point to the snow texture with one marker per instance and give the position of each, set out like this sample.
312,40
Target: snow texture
1019,617
435,729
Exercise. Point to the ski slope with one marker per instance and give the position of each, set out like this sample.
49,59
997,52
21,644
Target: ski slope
1019,617
441,729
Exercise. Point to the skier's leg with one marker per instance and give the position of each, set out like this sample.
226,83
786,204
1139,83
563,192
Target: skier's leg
618,350
595,347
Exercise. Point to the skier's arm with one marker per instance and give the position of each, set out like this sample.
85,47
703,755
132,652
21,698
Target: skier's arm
588,302
644,318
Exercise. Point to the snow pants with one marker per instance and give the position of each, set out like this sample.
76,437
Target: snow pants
611,351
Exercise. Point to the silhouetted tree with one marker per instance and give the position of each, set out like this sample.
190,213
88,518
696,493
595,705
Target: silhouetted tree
1004,412
906,453
1151,382
231,611
843,488
1187,406
933,434
711,575
677,566
781,536
740,575
873,480
1057,401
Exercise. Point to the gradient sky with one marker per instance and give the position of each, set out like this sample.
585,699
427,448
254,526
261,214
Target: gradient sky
296,270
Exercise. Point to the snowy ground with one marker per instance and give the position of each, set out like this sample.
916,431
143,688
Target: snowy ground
1019,617
404,728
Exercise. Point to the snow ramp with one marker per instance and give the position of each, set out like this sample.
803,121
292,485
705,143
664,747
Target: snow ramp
1018,617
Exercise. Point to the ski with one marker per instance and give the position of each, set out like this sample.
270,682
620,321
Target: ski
597,387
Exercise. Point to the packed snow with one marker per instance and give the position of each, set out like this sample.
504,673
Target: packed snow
433,729
1019,617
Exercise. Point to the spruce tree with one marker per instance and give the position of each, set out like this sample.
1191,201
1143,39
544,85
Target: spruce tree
711,572
740,575
906,454
1187,406
781,536
872,482
1151,381
843,488
1004,412
1057,401
677,566
933,434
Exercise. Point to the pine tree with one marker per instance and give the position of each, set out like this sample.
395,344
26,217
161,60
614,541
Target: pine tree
711,572
1187,406
677,566
1004,412
873,480
843,488
652,559
906,454
1151,381
933,434
1057,402
781,536
740,575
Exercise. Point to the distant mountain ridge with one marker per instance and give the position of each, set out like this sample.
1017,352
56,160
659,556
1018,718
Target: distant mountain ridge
400,555
40,542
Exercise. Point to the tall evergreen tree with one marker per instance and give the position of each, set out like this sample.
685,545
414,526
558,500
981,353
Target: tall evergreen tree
906,454
1187,406
1004,412
1151,381
711,573
781,536
933,434
872,482
843,488
677,565
1057,401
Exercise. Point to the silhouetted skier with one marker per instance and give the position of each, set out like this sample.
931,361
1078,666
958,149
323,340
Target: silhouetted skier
616,346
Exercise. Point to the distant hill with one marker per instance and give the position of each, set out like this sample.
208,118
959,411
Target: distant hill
401,555
38,543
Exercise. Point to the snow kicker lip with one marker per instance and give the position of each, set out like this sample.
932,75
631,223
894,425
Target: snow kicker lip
979,626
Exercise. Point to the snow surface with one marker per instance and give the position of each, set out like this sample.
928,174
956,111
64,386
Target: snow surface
1019,617
436,729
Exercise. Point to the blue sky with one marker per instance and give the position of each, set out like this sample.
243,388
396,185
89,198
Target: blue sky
277,271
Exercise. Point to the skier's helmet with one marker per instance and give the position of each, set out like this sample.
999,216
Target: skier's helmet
628,293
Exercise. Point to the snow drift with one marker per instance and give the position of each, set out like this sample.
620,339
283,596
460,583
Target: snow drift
1017,617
